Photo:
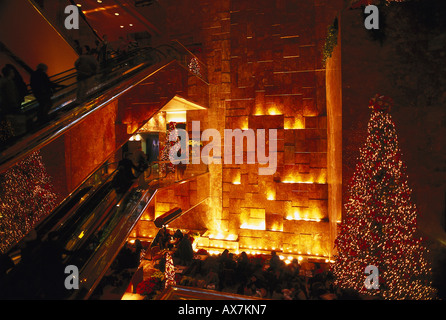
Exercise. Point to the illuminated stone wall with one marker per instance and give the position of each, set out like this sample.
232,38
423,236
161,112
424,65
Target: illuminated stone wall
266,72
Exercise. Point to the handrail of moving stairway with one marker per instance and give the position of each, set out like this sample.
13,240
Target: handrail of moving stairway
113,218
12,152
65,213
133,214
112,64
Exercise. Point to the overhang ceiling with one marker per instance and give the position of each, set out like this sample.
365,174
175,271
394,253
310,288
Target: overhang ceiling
115,18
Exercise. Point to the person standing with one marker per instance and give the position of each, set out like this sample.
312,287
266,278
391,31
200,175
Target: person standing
9,92
20,85
86,67
43,89
103,52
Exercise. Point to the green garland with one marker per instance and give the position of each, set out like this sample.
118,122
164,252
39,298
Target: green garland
331,41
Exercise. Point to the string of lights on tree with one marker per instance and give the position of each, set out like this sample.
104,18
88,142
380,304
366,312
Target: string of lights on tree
380,219
167,150
169,272
194,66
26,197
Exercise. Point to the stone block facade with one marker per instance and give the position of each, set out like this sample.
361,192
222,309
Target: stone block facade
265,71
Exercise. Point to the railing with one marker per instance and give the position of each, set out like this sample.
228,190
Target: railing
96,228
113,234
108,75
106,85
116,67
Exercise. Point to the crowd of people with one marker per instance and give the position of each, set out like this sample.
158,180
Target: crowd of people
262,276
13,91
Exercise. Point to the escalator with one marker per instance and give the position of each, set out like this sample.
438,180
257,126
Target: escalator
83,208
86,223
118,76
94,221
92,225
97,254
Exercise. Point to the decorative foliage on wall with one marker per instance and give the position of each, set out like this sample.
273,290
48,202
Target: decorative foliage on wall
331,41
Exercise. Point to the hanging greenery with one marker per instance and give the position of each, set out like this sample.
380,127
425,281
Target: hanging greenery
331,41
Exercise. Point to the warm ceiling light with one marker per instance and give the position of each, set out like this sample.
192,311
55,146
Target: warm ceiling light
116,14
122,27
131,24
79,5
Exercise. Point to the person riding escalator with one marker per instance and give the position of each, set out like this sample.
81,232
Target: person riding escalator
124,177
43,89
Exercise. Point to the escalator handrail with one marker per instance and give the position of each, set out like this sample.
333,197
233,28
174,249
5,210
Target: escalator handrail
146,197
75,112
131,54
116,62
74,193
99,213
53,222
90,262
76,213
109,215
121,200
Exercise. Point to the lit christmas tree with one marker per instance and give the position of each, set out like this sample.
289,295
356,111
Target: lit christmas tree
380,223
168,149
169,273
26,196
